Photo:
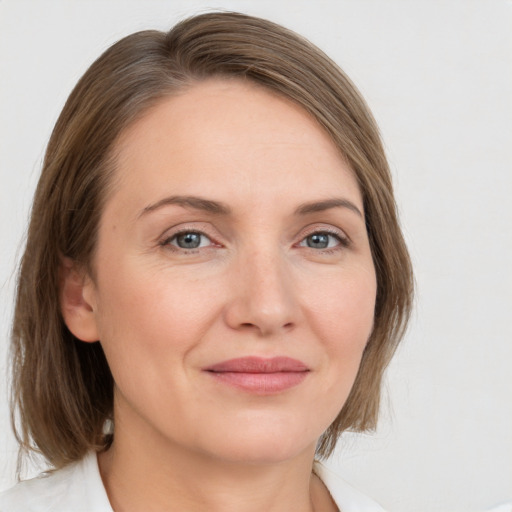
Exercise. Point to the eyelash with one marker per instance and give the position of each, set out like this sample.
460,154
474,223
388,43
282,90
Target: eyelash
167,241
343,241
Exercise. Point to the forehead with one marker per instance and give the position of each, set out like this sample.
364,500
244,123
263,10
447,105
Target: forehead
233,138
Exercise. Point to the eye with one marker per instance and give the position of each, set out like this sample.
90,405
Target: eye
189,240
323,240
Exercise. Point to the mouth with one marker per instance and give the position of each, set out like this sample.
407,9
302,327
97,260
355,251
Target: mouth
261,376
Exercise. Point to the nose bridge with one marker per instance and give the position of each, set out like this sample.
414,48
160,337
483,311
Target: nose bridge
264,297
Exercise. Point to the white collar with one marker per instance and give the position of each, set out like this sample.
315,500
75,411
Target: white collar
79,488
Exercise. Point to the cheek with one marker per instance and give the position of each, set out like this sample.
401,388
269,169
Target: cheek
342,318
146,312
343,309
151,322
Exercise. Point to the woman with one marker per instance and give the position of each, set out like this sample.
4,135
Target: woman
214,279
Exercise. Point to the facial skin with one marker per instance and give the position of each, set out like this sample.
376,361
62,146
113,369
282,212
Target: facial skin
252,288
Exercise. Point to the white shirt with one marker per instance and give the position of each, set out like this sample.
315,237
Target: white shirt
79,488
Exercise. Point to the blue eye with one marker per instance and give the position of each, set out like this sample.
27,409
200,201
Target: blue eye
322,240
189,240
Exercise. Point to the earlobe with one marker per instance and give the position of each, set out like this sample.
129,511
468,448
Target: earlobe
76,300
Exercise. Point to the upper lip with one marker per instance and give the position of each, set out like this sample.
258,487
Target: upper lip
255,364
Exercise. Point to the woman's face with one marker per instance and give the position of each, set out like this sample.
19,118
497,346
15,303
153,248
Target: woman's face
234,235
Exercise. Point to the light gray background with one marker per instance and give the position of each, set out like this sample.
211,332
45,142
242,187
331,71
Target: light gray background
438,76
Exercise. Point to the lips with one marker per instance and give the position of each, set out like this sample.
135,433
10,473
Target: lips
259,375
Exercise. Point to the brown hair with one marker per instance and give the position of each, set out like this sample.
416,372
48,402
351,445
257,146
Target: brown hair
62,388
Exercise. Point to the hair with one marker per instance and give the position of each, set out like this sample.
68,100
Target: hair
62,391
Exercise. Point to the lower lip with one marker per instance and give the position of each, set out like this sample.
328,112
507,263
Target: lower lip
261,383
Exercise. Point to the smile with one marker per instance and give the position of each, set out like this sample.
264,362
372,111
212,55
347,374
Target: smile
258,375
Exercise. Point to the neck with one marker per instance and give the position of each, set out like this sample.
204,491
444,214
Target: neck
160,482
163,475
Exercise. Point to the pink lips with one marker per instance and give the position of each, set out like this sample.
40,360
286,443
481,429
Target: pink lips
260,375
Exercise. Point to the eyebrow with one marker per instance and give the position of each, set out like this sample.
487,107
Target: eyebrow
327,204
198,203
218,208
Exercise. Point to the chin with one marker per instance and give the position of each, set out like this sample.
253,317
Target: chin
260,445
263,452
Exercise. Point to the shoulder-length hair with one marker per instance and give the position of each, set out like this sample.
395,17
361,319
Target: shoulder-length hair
62,390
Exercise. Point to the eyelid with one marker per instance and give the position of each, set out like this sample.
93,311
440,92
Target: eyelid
171,233
329,229
176,235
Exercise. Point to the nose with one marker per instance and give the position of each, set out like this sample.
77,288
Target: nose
263,298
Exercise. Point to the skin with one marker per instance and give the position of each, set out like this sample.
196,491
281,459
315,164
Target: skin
254,287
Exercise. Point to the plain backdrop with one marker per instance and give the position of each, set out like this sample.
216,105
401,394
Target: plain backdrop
438,77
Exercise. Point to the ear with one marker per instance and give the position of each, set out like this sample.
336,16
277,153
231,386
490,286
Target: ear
77,301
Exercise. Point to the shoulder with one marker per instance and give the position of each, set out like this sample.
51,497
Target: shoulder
77,487
346,497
